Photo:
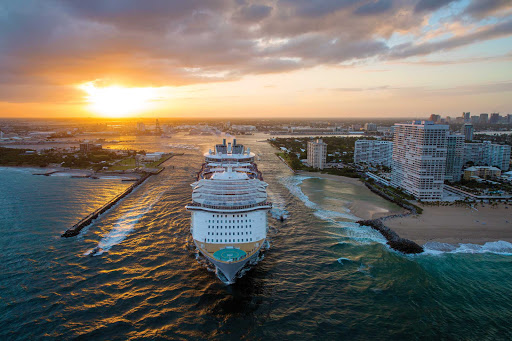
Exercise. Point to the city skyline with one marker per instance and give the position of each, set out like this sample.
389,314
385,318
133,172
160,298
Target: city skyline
337,59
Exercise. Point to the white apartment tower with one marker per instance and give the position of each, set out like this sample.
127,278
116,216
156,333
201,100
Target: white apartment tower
373,152
317,153
487,154
419,159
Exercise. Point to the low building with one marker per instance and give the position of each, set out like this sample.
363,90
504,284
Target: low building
481,172
152,156
317,154
373,152
90,147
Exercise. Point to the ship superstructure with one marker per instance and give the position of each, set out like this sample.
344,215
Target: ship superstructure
229,209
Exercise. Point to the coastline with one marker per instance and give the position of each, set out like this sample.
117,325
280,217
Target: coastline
456,225
444,224
362,209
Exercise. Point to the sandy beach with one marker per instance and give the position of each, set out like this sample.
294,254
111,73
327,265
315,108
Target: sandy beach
451,224
363,208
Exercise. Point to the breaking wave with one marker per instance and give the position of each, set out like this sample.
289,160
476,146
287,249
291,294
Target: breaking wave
499,247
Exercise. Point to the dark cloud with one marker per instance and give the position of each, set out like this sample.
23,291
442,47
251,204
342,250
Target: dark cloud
431,5
253,13
480,8
317,8
57,43
375,7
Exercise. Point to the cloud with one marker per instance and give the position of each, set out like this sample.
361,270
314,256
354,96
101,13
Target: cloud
488,32
481,8
55,44
253,13
431,5
376,7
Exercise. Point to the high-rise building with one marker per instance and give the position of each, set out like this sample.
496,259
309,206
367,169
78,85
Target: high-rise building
370,127
419,159
435,118
141,127
466,116
454,157
317,153
373,152
467,130
495,118
487,154
484,118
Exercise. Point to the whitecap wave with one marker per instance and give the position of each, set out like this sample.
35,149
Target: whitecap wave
499,247
345,220
278,210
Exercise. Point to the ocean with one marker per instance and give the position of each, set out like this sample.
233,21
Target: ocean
323,276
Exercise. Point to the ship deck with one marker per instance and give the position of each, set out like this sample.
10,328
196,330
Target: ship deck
228,254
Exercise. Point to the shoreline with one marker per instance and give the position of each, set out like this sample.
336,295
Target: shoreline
363,209
456,225
452,225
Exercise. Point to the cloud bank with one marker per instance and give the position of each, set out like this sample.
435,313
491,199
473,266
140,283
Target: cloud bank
48,45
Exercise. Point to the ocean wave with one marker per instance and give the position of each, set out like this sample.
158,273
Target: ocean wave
278,206
498,247
356,233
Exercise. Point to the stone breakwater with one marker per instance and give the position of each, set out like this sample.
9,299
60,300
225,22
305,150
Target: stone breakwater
394,240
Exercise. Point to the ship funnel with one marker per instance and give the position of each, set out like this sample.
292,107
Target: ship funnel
234,142
223,142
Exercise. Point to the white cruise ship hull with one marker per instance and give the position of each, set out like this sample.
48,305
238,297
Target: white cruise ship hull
229,209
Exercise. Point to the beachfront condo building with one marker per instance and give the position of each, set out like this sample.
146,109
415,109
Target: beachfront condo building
419,159
487,154
317,154
454,157
373,152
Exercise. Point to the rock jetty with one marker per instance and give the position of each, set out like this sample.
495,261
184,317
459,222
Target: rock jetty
394,240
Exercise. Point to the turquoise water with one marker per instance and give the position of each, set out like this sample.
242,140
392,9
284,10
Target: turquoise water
323,277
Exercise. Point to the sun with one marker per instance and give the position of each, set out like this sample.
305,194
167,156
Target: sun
117,101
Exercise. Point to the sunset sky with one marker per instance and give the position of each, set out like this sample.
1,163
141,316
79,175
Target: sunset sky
281,58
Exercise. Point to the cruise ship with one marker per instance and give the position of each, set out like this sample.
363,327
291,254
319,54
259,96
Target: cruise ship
229,209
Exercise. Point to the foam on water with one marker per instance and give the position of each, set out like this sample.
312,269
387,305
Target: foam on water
278,205
358,234
499,247
123,227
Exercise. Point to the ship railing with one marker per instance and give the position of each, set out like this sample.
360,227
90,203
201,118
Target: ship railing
219,207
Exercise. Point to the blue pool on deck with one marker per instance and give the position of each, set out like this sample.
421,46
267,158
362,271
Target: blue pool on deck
229,254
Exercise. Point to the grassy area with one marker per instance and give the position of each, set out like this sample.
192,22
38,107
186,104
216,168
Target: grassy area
125,164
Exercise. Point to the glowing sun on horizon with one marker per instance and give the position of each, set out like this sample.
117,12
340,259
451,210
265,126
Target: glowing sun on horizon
117,101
